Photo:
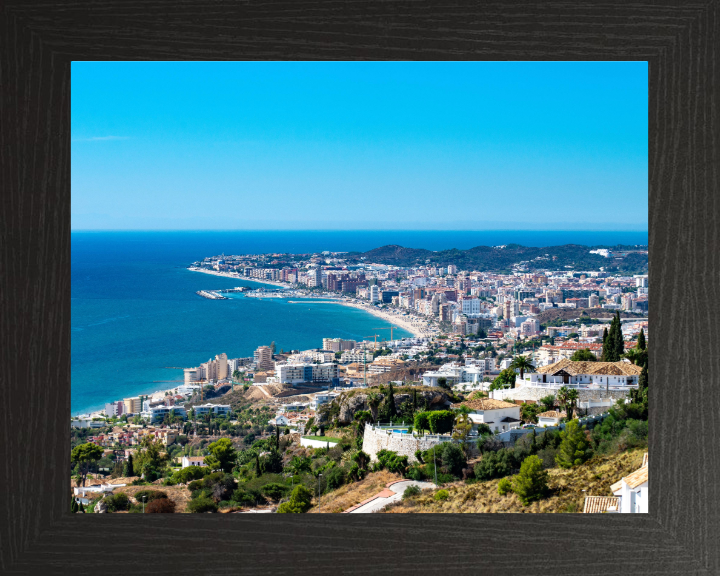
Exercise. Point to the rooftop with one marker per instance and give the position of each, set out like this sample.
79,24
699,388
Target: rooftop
486,404
599,368
598,504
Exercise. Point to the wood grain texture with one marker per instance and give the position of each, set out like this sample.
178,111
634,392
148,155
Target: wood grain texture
37,43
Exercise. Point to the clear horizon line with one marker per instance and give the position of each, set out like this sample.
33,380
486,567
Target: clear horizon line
351,230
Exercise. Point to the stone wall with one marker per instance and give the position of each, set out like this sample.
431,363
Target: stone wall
376,439
535,393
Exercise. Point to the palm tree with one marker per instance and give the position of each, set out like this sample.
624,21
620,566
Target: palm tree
563,397
633,355
572,396
522,363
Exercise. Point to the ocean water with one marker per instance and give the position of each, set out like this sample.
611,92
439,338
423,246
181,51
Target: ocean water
136,318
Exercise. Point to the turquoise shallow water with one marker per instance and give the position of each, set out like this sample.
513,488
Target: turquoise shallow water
135,311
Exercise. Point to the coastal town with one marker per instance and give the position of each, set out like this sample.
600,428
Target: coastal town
520,389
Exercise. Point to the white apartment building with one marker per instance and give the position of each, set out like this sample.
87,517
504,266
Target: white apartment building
356,356
374,293
217,409
470,306
298,373
454,374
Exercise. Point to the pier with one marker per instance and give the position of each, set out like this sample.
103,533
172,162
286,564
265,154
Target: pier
211,295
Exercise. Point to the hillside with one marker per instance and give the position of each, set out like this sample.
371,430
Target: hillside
489,258
574,313
566,490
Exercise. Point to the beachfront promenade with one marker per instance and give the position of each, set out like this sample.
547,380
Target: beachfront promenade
418,327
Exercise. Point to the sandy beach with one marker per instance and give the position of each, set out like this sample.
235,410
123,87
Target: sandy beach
415,326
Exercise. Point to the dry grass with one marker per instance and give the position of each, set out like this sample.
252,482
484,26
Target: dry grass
351,494
178,494
566,490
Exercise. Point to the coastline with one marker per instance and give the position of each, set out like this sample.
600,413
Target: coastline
418,328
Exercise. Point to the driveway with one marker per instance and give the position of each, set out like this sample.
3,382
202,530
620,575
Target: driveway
392,493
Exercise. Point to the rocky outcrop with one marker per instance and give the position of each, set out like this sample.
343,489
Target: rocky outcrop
101,507
351,403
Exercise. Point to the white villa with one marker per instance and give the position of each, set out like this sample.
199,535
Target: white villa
193,461
454,374
630,494
633,490
500,416
583,375
550,418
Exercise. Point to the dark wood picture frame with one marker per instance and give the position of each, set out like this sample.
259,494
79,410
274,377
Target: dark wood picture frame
38,41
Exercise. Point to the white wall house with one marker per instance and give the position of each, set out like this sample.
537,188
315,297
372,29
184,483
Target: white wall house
498,415
633,491
549,418
454,374
193,461
216,409
583,374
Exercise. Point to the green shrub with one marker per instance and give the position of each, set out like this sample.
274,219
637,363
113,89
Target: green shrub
195,485
185,475
504,486
201,505
299,503
416,472
333,478
441,421
453,459
274,491
531,483
574,447
392,462
410,491
441,495
116,502
493,465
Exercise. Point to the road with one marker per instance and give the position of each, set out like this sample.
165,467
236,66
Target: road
392,493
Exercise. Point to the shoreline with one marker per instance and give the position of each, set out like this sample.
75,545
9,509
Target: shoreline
417,329
414,329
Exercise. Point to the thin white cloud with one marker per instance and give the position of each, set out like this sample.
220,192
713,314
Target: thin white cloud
100,138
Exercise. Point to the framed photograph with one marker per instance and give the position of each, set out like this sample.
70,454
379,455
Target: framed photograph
259,270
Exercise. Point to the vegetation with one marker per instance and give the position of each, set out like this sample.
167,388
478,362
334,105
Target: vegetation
574,447
84,456
299,503
532,481
583,355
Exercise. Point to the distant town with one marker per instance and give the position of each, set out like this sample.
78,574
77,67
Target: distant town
533,375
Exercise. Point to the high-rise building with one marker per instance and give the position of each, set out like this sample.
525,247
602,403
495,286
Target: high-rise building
338,344
263,358
132,405
593,301
374,293
314,277
452,269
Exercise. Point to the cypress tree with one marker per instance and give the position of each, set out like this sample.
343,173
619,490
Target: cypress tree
643,379
641,345
277,437
605,345
74,506
619,340
391,402
414,401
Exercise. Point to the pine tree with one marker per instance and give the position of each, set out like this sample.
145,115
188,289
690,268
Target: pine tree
574,448
641,345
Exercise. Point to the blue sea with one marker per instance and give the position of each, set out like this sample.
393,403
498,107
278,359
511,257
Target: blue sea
136,318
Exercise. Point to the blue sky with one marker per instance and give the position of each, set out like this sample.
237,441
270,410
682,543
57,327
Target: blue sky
361,145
